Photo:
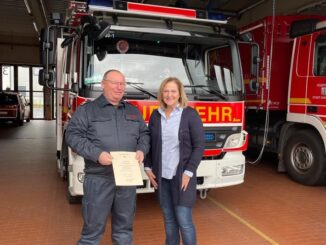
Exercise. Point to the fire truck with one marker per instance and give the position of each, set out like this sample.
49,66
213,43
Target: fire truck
284,69
149,43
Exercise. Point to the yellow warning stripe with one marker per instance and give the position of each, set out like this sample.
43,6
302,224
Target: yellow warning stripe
246,81
300,101
256,101
65,109
261,80
241,220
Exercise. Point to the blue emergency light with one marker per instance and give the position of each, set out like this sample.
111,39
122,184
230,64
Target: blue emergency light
216,16
104,3
210,137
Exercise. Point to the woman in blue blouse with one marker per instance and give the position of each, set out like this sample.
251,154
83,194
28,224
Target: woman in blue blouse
177,145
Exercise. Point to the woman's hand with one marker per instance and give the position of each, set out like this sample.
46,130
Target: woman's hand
185,182
139,156
152,178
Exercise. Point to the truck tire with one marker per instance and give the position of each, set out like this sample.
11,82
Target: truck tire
64,161
304,158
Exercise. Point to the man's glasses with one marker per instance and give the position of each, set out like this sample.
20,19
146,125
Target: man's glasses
116,84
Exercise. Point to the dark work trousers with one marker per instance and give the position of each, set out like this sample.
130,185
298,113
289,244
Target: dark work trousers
102,198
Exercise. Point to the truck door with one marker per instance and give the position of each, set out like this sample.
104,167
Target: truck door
250,66
301,74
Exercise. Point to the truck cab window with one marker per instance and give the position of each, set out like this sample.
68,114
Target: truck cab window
320,67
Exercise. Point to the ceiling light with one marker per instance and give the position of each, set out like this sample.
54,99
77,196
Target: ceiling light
27,7
35,27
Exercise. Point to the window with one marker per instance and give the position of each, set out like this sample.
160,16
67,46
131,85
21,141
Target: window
23,81
38,95
8,78
320,56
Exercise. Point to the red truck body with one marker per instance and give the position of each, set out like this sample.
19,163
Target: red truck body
149,43
284,70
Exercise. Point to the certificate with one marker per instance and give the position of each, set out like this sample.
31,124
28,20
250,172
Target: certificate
126,168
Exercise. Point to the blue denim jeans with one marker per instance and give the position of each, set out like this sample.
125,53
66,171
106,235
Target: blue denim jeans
177,219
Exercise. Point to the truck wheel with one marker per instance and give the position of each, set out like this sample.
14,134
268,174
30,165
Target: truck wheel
304,158
64,162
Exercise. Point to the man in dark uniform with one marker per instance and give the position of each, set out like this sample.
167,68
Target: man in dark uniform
107,124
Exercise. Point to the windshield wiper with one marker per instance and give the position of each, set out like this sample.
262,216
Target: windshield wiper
208,89
136,86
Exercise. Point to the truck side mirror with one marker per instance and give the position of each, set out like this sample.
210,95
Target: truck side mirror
46,78
48,43
105,28
48,48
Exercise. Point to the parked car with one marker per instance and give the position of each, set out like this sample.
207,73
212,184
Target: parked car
14,107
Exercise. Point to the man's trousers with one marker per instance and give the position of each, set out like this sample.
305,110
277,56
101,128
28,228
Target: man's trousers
102,198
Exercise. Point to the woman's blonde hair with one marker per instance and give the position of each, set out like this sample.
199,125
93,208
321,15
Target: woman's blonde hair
183,100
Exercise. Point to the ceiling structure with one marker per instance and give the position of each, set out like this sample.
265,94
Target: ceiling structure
22,20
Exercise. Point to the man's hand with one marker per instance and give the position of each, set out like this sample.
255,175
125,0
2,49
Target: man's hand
152,178
105,158
185,182
140,156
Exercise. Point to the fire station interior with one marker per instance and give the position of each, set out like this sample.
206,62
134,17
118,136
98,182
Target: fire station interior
267,208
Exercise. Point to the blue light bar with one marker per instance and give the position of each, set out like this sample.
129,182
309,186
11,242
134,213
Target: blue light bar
104,3
216,16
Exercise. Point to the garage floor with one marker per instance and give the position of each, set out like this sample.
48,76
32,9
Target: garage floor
268,208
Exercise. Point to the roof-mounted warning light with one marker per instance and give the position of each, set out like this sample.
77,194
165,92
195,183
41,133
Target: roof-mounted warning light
154,9
157,10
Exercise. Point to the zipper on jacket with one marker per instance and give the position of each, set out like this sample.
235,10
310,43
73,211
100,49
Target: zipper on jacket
116,126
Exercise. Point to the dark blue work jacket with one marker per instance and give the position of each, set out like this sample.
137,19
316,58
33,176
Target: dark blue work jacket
99,126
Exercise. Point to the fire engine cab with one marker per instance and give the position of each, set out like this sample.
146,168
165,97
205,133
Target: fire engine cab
149,43
284,67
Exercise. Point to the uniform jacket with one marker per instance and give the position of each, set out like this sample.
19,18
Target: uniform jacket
99,126
191,138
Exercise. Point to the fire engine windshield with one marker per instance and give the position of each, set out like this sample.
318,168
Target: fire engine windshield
205,67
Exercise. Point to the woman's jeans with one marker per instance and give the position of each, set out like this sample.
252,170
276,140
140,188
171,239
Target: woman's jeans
176,219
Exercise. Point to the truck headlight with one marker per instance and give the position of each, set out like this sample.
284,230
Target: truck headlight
234,141
80,177
232,170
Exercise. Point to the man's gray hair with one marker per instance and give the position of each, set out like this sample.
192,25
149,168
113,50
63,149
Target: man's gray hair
109,71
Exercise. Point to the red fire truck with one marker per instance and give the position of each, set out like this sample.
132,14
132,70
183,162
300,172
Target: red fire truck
284,69
149,43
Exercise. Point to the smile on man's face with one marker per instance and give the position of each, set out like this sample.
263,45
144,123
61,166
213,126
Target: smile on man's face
114,87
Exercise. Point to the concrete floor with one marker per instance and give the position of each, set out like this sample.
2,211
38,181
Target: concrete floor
268,208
